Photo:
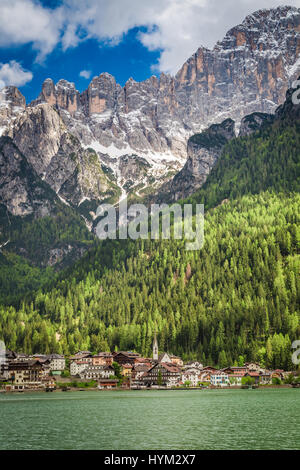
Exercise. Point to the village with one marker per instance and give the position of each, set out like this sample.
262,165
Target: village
129,370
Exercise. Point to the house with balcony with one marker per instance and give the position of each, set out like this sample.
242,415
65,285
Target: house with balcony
107,384
265,378
219,379
102,359
57,363
125,357
137,373
205,376
76,367
191,375
25,375
162,373
97,372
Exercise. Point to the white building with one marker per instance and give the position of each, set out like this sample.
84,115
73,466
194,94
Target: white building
173,381
265,378
219,379
97,372
191,375
76,367
164,357
57,362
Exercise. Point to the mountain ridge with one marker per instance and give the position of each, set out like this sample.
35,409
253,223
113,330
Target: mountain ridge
248,71
54,133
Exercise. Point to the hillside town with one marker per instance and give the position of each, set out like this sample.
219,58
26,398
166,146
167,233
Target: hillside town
129,370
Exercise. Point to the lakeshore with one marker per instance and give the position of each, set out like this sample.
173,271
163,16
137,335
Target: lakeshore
160,389
129,370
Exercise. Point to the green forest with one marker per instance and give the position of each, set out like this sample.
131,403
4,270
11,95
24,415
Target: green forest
234,300
24,267
235,297
267,159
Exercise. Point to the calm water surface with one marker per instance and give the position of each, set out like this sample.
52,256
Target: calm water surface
207,419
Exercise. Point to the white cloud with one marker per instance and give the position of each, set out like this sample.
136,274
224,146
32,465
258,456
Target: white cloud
13,73
174,27
26,21
106,20
85,74
185,25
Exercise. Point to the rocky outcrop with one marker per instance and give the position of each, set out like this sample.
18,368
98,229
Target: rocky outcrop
253,123
203,151
64,255
290,109
74,173
24,197
22,191
62,95
12,102
12,98
37,133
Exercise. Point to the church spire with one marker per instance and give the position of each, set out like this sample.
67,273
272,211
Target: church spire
155,348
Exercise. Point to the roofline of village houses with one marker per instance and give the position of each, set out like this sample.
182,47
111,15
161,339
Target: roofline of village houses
38,371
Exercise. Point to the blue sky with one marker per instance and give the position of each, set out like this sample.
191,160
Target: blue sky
127,59
77,40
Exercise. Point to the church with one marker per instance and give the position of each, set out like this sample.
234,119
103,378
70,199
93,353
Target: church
164,357
155,349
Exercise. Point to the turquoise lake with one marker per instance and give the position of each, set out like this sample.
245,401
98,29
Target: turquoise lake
119,420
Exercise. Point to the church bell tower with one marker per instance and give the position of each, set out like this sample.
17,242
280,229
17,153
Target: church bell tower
155,348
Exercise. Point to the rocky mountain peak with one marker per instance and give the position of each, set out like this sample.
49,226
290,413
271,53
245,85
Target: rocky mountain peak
100,95
63,95
225,130
263,31
65,85
248,71
12,102
271,15
11,96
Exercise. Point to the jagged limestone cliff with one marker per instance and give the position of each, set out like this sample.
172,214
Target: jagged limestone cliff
90,146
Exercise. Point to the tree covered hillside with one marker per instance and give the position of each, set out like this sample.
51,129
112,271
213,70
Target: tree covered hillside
236,296
267,159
